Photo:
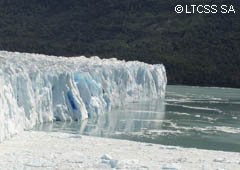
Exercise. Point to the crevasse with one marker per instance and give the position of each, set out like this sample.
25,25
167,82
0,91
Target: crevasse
38,88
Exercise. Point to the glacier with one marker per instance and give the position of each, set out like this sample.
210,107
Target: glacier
38,88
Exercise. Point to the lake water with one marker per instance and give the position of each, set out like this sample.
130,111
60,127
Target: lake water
198,117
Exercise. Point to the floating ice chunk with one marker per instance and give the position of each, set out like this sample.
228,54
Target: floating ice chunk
127,164
106,157
171,167
113,163
220,160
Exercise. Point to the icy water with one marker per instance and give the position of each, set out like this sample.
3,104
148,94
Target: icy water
206,118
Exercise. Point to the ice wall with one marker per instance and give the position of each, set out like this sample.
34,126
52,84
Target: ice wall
38,88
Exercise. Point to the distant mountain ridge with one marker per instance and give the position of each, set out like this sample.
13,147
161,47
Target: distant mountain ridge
197,49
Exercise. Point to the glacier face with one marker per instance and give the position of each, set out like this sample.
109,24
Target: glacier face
38,88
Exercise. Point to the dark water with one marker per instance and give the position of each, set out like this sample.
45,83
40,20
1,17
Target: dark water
207,118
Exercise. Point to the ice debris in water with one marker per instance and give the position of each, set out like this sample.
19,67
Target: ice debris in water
38,88
106,157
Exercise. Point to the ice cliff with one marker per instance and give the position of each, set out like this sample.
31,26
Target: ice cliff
38,88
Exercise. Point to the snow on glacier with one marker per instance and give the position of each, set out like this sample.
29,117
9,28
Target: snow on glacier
38,88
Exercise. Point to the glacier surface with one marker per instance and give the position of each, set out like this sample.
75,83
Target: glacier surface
38,88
